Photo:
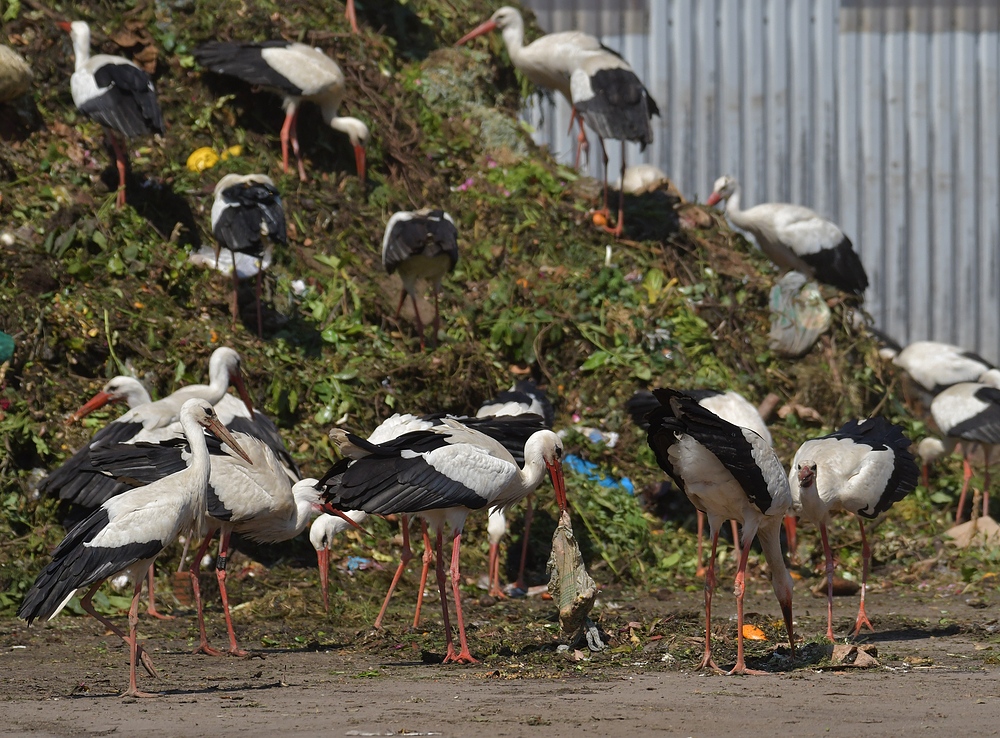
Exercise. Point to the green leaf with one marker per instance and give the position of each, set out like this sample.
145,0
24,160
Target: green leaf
595,361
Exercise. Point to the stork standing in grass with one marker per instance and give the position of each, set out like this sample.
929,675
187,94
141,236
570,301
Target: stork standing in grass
247,216
116,93
795,238
863,468
420,245
728,472
297,73
127,533
443,474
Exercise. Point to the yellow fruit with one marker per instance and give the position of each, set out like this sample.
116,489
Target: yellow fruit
600,219
202,159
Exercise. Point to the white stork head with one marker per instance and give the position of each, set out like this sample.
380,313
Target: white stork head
504,18
723,189
807,474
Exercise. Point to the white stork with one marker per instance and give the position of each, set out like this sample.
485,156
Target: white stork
611,99
420,245
256,500
863,468
935,366
297,72
732,407
970,412
509,431
247,217
795,238
523,398
443,474
77,481
728,472
114,92
126,534
321,534
547,62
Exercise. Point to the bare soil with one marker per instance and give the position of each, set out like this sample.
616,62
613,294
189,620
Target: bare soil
937,648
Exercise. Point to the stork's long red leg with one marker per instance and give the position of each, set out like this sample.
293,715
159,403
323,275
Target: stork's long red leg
133,642
151,608
494,572
419,322
404,559
707,661
790,538
464,656
700,571
437,315
866,556
352,16
740,590
529,514
285,135
323,562
986,482
220,574
439,570
966,476
88,607
428,556
120,162
402,299
234,306
828,554
194,573
620,223
295,146
581,141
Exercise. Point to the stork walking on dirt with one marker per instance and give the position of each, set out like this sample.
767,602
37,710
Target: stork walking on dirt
863,468
126,534
443,474
730,473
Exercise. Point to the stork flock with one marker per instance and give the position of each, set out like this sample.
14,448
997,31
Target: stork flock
152,475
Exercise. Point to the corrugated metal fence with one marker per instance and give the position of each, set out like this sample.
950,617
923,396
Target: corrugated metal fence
881,114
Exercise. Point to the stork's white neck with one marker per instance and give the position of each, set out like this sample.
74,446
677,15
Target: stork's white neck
199,467
733,209
80,35
513,38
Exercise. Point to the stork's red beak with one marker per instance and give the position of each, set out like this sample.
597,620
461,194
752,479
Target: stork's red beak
97,401
323,559
330,510
359,160
713,199
806,476
65,25
559,484
479,30
222,433
236,379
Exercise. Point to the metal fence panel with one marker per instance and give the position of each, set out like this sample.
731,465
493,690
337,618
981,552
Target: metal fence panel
881,114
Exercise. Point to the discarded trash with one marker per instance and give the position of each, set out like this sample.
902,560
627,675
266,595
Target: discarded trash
571,586
799,315
593,472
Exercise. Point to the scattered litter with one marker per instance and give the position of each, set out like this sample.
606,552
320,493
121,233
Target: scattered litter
571,586
983,531
799,315
848,655
593,472
753,633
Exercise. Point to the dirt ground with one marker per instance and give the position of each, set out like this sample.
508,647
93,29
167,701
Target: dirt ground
937,649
